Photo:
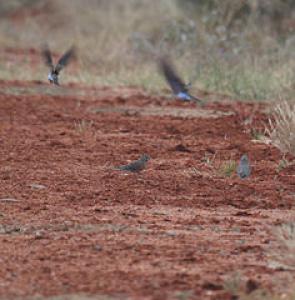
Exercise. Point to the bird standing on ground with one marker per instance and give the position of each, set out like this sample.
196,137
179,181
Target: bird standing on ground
179,88
137,165
62,62
244,169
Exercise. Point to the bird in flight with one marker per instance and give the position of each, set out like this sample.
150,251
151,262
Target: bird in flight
179,88
62,62
137,165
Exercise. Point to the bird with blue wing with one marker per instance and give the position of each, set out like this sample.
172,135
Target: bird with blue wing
62,62
179,88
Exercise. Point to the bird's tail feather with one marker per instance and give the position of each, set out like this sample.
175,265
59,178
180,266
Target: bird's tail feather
197,100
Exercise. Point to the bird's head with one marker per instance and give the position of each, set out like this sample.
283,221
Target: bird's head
244,159
145,157
188,85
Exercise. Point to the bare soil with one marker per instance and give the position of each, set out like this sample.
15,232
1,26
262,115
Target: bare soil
70,224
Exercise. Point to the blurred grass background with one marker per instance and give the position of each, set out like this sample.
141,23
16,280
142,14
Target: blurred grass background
242,49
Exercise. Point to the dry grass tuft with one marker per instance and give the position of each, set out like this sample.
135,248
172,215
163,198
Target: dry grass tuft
282,127
284,255
227,168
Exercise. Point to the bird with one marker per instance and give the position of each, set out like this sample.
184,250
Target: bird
137,165
179,88
244,168
62,62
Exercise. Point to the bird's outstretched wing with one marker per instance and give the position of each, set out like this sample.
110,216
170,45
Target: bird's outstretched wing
65,59
47,56
175,82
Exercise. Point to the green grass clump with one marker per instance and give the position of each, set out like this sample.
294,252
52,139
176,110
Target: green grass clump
228,168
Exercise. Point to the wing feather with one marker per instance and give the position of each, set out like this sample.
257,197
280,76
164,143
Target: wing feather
172,78
47,56
65,59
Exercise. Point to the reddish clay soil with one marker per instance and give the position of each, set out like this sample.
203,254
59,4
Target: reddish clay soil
72,224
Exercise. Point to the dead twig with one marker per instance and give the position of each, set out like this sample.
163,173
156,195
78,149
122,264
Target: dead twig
9,200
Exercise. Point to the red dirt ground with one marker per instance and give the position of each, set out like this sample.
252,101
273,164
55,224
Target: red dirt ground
178,230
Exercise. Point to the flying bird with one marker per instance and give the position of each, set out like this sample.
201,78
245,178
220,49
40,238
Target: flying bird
62,62
135,166
179,88
244,168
